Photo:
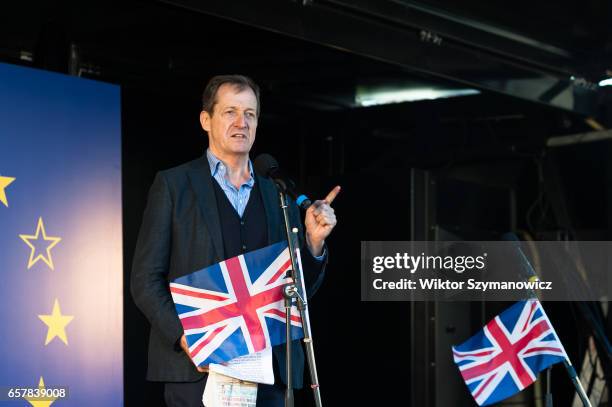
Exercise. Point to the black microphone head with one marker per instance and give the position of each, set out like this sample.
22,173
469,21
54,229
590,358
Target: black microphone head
265,164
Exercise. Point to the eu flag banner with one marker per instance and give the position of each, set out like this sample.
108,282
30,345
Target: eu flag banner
236,307
60,239
507,354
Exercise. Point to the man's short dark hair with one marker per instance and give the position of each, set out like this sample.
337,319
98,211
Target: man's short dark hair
241,82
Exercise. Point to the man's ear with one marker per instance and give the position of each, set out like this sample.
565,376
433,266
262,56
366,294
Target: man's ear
205,120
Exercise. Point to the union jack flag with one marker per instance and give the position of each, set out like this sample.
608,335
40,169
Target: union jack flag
236,307
507,354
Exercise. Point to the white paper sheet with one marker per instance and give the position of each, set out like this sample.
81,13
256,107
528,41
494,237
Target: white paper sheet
224,391
256,367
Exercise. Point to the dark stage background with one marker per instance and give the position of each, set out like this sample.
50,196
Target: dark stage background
472,166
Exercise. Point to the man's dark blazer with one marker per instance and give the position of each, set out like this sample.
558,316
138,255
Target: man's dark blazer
181,233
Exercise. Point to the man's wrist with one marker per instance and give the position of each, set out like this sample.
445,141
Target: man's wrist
322,256
315,247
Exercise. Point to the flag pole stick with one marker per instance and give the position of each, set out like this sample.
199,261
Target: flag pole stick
579,389
531,275
566,362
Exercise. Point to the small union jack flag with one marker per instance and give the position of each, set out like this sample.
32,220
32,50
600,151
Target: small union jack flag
507,354
236,307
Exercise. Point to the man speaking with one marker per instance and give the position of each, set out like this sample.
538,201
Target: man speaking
208,210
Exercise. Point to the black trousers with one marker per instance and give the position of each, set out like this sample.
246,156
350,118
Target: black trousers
190,394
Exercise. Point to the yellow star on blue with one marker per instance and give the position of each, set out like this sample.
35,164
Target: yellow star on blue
41,401
56,323
5,182
41,239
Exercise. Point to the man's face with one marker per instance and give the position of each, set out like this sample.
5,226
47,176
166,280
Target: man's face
231,128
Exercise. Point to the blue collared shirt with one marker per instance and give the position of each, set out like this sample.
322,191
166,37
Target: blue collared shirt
238,197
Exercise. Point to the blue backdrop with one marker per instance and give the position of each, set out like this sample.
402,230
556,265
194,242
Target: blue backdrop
60,236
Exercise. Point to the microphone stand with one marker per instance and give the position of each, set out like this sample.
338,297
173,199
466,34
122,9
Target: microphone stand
291,292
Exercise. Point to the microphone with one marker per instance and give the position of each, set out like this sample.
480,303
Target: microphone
267,166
